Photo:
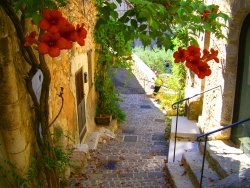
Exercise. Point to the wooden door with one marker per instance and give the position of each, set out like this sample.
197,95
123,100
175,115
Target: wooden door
80,104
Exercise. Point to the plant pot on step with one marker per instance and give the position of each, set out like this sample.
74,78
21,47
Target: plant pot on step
103,119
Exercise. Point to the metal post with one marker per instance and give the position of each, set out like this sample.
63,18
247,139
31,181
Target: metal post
144,89
176,123
203,161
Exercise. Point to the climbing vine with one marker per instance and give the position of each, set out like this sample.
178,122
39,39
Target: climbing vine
52,33
146,20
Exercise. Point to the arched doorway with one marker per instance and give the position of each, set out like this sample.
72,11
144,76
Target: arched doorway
241,134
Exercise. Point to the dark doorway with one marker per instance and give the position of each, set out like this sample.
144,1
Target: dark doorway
80,103
241,133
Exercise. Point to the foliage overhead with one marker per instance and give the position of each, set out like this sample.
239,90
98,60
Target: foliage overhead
162,20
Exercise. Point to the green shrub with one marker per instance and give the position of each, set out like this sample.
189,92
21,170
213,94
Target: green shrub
156,58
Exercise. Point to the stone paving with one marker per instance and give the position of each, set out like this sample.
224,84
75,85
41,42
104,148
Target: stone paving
137,156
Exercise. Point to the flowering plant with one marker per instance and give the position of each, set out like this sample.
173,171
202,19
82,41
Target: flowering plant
194,61
58,34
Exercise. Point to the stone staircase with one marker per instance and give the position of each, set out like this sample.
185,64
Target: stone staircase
225,165
81,152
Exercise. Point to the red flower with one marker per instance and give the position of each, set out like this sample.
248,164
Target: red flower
52,20
51,44
30,39
63,43
205,14
212,55
166,5
192,53
179,55
203,70
68,32
81,34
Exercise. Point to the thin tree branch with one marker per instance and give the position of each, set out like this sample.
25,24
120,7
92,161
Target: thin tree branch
61,96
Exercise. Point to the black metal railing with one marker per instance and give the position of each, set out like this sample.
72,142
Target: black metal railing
175,106
205,144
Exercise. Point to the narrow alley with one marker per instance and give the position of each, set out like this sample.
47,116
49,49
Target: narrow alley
136,157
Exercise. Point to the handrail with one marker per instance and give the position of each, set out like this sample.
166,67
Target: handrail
223,128
185,99
175,106
211,132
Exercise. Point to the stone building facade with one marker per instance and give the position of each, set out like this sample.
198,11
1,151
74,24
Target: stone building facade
73,71
227,103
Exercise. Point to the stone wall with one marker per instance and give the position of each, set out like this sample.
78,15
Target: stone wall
64,68
143,74
218,104
16,138
16,109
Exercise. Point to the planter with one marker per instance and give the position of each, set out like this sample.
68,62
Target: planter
103,119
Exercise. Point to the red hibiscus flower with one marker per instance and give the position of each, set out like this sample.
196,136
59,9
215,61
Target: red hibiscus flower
30,39
179,55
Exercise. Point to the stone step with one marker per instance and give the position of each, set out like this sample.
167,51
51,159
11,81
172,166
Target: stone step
92,140
182,146
178,176
125,180
79,158
239,179
186,129
101,133
192,162
125,164
224,158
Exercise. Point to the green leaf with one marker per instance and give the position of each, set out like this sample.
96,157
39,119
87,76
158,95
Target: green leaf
208,27
195,6
153,25
18,5
125,18
112,6
201,8
180,12
142,27
114,14
224,16
134,23
166,42
36,17
145,40
119,1
183,3
193,41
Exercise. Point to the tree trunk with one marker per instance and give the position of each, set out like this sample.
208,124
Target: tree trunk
51,173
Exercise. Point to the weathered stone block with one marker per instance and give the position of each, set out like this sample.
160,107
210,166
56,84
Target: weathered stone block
193,110
79,158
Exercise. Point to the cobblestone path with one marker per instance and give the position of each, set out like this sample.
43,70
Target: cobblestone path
136,158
